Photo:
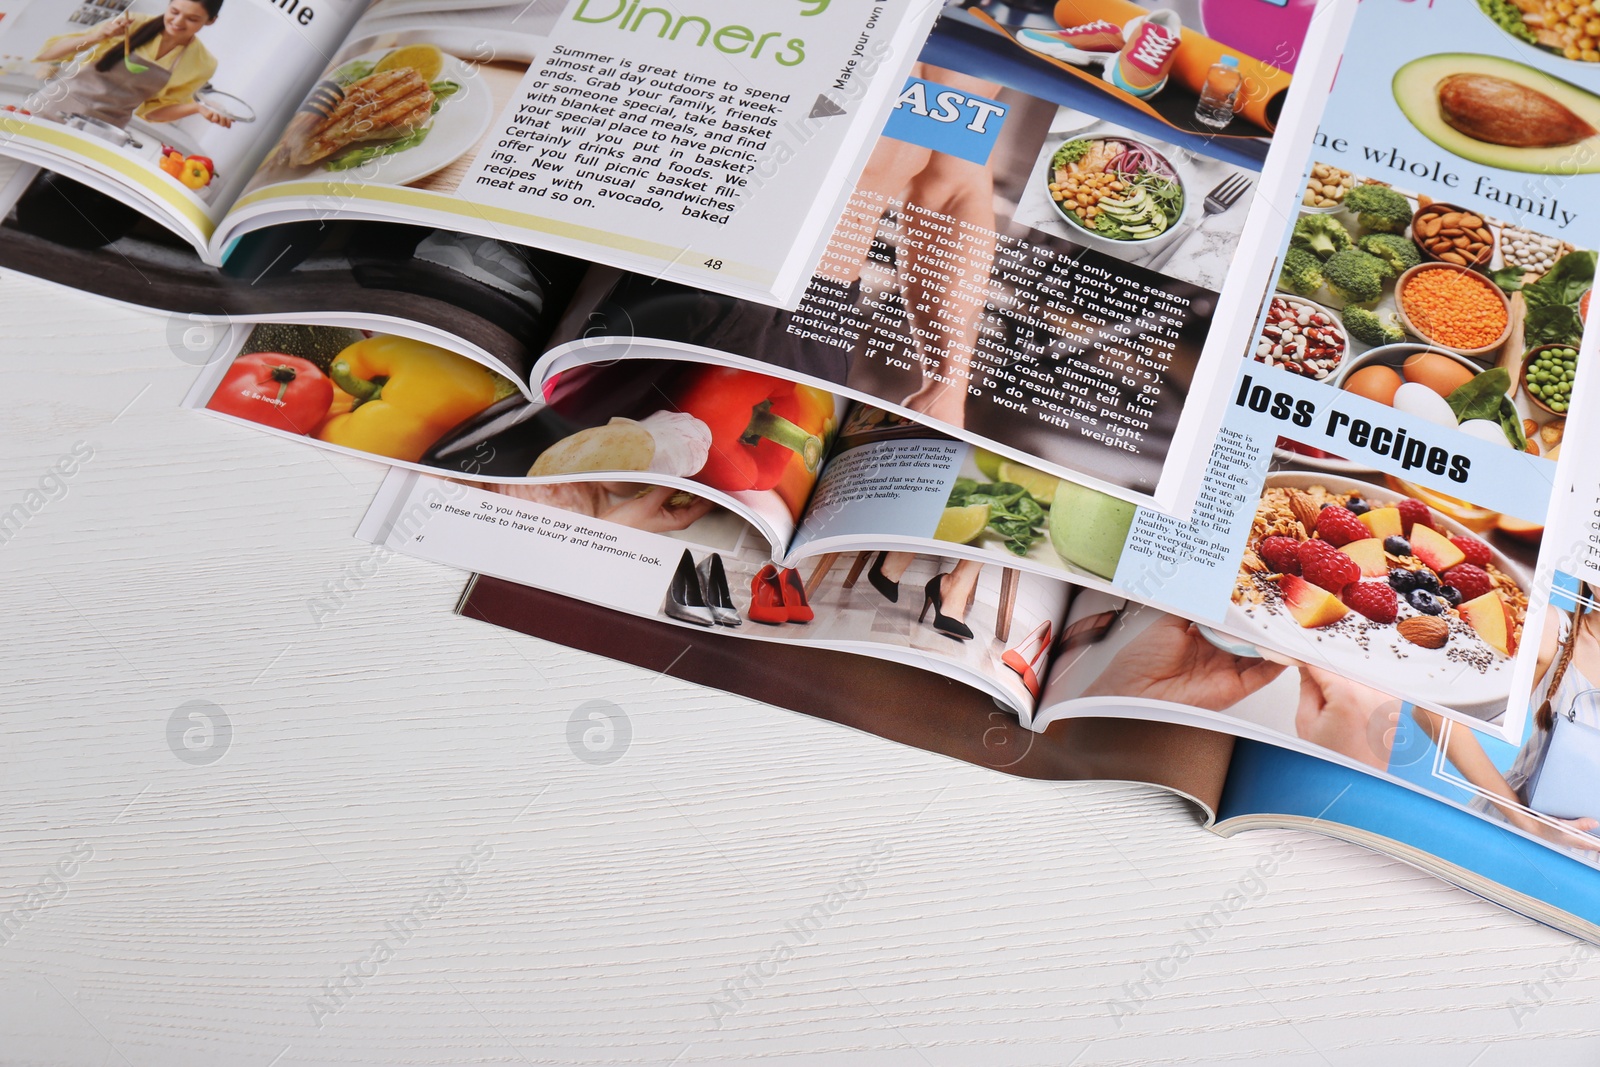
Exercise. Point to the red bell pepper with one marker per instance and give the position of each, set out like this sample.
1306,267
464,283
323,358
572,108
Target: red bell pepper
758,425
270,388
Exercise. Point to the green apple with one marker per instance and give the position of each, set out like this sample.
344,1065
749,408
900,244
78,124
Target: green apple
1088,527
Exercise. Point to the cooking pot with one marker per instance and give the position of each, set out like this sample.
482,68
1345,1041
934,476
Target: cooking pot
104,130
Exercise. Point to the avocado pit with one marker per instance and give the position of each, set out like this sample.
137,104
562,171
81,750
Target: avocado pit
1500,111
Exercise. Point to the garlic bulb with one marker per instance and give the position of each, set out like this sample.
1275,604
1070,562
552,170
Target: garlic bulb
682,443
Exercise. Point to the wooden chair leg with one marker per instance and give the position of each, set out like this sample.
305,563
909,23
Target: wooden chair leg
856,568
819,572
1008,602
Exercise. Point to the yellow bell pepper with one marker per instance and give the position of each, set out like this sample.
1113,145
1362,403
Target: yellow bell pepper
406,395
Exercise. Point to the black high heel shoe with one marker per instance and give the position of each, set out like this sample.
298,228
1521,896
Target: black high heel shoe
890,590
685,601
714,586
951,628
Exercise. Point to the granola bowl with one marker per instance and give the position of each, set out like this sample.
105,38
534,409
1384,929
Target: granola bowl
1419,636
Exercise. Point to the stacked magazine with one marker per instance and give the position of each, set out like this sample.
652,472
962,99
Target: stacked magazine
1167,392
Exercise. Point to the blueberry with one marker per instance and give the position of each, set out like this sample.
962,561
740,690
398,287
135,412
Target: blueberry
1396,545
1328,505
1428,580
1358,506
1425,602
1451,595
1402,580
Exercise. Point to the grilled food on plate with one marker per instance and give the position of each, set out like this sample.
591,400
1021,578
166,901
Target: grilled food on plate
380,107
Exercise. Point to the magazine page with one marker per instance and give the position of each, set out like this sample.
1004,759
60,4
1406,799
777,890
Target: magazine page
750,442
711,144
658,553
166,106
1034,260
891,482
1378,498
495,300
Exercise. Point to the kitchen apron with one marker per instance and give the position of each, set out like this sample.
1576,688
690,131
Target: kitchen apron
110,96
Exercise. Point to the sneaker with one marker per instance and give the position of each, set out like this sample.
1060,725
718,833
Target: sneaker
1141,66
1077,45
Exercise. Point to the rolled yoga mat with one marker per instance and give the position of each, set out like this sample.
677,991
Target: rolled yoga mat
1265,86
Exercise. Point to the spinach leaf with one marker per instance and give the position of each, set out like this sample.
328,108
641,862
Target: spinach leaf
1509,279
1563,283
1484,397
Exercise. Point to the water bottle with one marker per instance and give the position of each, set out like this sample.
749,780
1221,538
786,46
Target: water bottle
1220,94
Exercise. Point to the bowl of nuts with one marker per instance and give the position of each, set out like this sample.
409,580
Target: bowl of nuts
1449,234
1302,337
1325,188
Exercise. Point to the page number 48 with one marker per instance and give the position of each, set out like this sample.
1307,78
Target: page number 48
714,264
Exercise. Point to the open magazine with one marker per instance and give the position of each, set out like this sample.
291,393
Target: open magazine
1384,588
1025,254
712,144
1148,390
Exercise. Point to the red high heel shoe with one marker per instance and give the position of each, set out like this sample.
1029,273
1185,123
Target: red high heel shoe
766,598
794,596
1025,663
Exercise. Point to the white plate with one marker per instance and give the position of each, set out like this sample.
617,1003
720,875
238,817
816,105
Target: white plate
461,121
1425,675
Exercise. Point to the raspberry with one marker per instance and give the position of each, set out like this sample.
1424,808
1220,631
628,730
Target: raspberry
1322,564
1476,551
1413,512
1339,526
1473,581
1280,553
1375,600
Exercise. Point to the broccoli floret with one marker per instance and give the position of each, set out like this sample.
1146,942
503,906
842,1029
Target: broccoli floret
1321,234
1370,328
1397,252
1301,273
1379,208
1356,277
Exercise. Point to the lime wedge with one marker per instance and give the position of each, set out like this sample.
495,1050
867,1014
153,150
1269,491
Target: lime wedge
962,525
1040,486
988,463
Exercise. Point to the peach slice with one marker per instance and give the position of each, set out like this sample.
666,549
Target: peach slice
1434,548
1311,605
1489,616
1369,555
1383,522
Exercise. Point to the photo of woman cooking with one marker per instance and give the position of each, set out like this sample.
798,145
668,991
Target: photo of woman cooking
151,66
173,96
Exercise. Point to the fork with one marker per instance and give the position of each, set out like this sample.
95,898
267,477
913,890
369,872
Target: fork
1225,195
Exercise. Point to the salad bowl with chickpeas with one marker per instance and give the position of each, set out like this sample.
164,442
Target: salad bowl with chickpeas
1116,191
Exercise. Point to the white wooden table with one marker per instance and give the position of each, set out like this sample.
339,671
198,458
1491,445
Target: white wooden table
398,858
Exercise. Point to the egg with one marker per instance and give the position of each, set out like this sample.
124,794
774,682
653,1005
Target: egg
1438,372
1485,430
1376,382
1416,399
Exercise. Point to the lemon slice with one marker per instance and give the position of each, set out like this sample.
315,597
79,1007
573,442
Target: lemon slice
988,463
1040,486
425,59
962,525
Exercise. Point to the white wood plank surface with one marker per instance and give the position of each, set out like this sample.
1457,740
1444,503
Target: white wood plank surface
869,904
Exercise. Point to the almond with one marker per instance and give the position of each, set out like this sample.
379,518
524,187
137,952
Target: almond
1304,510
1429,631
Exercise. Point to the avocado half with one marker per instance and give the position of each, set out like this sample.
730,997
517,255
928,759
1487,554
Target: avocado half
1416,90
